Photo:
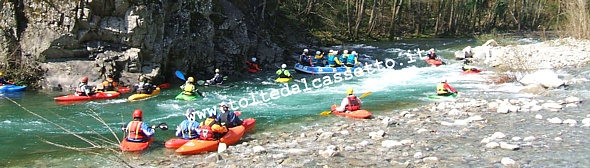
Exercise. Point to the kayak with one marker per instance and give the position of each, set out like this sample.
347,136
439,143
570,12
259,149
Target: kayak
127,146
471,72
186,97
252,70
123,89
452,96
283,80
12,88
353,114
434,62
143,96
99,95
175,143
196,146
323,70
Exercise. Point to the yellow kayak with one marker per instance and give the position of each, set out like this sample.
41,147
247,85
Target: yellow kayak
143,96
283,80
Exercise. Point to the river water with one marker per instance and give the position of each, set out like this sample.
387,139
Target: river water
405,86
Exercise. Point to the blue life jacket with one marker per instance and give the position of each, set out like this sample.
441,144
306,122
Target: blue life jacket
331,60
350,59
342,59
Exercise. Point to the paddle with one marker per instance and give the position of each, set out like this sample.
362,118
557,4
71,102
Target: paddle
180,75
327,113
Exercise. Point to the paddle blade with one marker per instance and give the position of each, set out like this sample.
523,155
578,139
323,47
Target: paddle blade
163,126
365,95
238,113
200,82
222,147
180,75
325,113
225,78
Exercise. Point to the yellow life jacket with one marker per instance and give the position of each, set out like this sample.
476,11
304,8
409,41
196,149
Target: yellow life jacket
440,89
188,89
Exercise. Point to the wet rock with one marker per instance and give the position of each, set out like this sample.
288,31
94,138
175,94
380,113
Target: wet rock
377,135
328,153
506,161
505,145
391,144
325,136
516,138
485,140
454,112
492,145
387,121
529,138
554,120
363,143
419,155
422,130
586,121
349,148
572,99
258,149
551,105
345,132
571,122
558,139
498,135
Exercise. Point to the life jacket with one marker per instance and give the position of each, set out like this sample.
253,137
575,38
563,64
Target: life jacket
353,103
134,132
331,60
218,78
80,90
440,89
191,134
144,87
188,89
252,66
351,59
343,58
207,131
109,86
282,74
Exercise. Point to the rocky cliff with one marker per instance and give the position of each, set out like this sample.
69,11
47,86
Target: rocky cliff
128,38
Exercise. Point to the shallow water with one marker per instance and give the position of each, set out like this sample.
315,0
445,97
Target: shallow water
405,86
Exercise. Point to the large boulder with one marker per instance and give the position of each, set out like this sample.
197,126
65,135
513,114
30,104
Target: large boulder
545,78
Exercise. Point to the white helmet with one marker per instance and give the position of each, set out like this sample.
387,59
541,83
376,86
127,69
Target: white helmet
345,51
318,52
335,52
331,51
190,115
353,53
305,50
253,59
284,66
223,104
443,81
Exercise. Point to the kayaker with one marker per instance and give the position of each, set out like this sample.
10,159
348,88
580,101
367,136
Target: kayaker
227,117
83,89
253,65
189,128
110,84
333,59
467,65
189,88
350,102
318,59
432,55
283,73
3,81
352,60
216,80
137,130
444,89
144,86
211,129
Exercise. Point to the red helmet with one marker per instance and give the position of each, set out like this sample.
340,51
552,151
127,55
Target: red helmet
137,113
85,79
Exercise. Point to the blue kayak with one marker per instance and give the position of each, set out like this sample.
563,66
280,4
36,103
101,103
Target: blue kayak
323,70
12,88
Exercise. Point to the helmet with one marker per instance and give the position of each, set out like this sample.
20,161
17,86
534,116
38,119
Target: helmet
110,79
0,73
284,66
137,113
431,50
253,59
190,115
318,52
349,91
223,104
353,53
85,79
331,51
335,52
305,50
345,51
216,70
443,81
191,79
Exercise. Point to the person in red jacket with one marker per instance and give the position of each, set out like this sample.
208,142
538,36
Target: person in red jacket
350,102
137,130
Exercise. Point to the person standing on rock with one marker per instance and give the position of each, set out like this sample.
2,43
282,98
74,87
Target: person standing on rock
83,89
216,80
350,102
189,128
444,89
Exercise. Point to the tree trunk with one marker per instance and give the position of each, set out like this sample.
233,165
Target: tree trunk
372,18
359,17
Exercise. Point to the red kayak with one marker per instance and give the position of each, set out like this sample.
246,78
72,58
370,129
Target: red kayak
175,143
123,89
435,62
252,70
196,146
99,95
471,72
353,114
127,146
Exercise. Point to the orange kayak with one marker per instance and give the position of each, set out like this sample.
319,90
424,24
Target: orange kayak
434,62
176,143
471,72
353,114
127,146
196,146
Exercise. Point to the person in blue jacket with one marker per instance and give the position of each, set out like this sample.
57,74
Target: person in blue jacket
189,128
352,60
228,118
137,130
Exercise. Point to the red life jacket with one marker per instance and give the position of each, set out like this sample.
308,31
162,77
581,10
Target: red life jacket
353,103
134,131
207,131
